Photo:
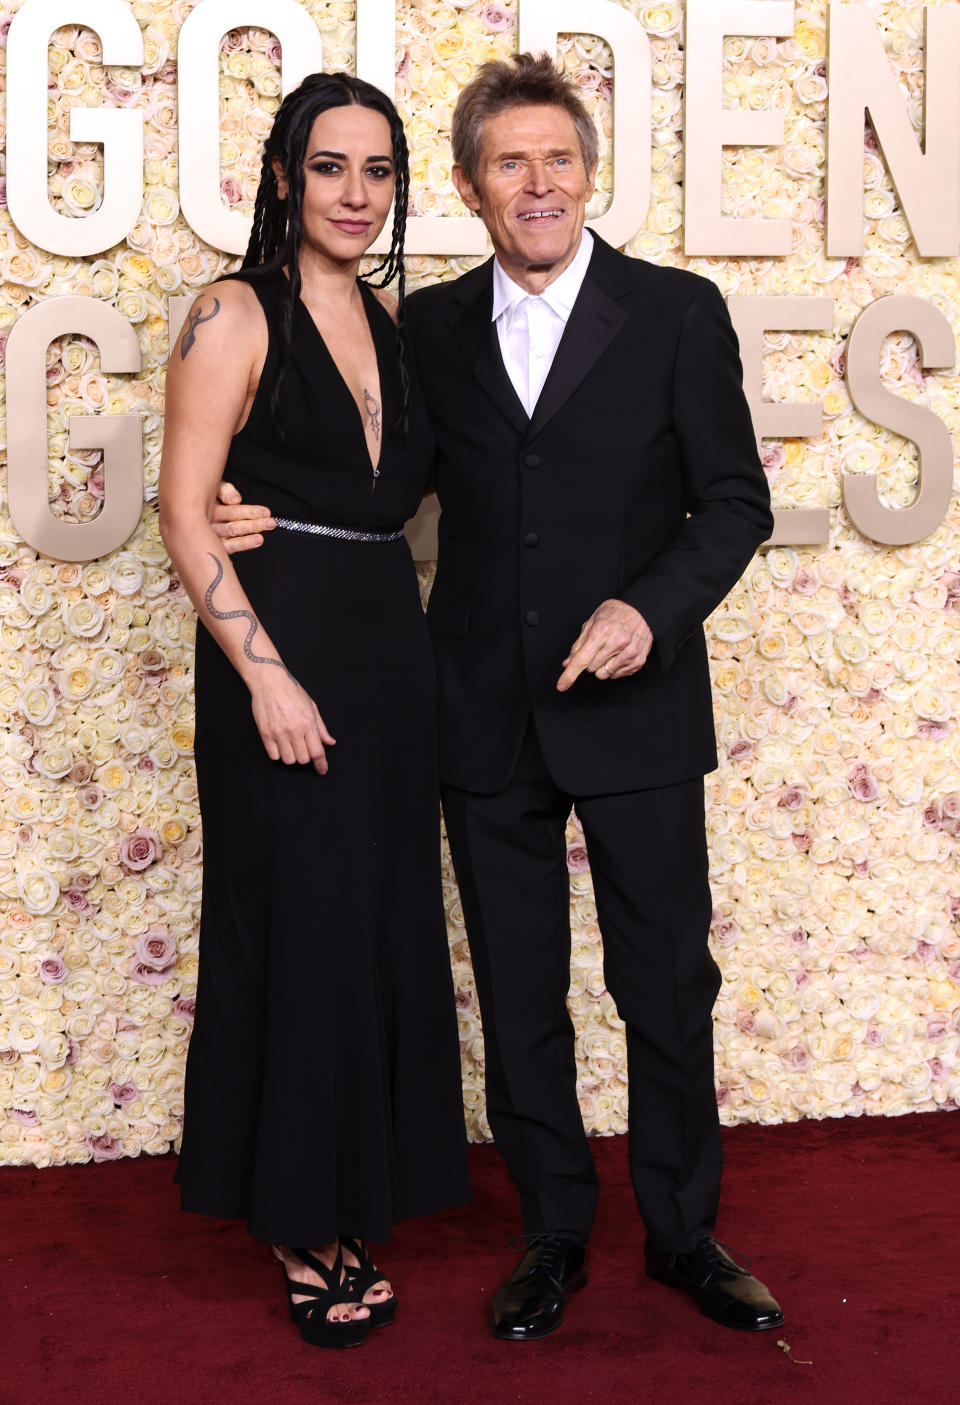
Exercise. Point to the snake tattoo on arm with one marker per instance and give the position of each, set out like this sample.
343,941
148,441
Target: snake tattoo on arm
237,615
194,319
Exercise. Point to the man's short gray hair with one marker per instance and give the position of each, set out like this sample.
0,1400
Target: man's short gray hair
523,80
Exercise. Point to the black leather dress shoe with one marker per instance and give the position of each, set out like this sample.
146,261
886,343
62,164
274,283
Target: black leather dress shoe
530,1303
725,1291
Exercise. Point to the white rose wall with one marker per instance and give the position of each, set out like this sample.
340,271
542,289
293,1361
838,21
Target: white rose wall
834,814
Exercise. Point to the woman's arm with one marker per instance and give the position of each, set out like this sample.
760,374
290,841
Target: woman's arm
211,380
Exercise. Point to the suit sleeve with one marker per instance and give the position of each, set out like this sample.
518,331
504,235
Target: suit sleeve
725,491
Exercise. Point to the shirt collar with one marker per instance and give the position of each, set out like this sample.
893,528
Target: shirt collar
560,295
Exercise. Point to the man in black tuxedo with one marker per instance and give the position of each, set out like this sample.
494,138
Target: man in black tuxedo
601,493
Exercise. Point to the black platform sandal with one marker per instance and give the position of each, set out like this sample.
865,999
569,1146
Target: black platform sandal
363,1275
311,1314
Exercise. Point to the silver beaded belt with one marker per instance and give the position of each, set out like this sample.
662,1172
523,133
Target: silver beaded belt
343,534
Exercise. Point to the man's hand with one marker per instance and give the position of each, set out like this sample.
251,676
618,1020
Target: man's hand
240,525
614,643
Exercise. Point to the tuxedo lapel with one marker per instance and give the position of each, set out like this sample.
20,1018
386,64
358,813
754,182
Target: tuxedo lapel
595,320
476,335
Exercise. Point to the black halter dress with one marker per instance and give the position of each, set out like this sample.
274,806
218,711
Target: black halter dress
323,1078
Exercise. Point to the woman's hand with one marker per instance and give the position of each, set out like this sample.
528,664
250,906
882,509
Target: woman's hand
287,719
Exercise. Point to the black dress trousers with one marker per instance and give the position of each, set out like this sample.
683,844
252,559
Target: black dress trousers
648,858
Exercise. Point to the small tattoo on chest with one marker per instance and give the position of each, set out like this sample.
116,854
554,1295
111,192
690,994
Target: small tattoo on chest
373,411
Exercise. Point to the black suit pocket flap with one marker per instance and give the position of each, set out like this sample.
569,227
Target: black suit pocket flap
446,616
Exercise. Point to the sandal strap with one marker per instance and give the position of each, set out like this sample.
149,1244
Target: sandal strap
338,1286
364,1273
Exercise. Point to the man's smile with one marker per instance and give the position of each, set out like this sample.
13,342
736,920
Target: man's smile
540,215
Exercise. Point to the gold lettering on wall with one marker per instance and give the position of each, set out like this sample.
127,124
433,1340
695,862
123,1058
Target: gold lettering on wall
119,436
900,526
861,81
709,126
121,132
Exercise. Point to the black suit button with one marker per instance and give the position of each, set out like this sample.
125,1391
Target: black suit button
532,539
532,617
532,460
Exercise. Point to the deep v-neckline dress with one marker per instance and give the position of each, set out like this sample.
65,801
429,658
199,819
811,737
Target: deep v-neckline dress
323,1078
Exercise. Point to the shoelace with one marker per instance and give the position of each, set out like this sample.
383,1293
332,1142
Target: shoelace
715,1255
554,1246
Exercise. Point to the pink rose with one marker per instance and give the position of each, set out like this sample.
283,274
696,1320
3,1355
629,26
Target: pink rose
156,948
773,457
805,582
139,850
937,1071
746,1021
792,797
77,901
146,975
931,816
52,970
801,977
802,840
873,1038
861,868
578,860
796,1058
740,749
464,1000
936,731
124,1093
26,1116
926,953
147,765
588,79
273,50
863,783
186,1008
89,796
797,937
230,190
723,1093
726,932
494,17
105,1148
937,1027
838,359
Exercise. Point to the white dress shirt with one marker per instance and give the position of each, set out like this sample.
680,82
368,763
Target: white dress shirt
530,326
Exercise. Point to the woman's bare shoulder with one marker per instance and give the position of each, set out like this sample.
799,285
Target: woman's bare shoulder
233,312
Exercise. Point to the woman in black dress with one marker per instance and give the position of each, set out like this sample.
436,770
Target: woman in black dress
323,1085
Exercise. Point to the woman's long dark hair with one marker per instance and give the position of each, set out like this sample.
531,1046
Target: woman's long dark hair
277,224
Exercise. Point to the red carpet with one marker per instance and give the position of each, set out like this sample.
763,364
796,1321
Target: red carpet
110,1295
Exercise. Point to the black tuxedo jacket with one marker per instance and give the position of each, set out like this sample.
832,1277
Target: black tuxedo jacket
637,478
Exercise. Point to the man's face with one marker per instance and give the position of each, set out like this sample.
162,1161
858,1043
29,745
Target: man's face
531,191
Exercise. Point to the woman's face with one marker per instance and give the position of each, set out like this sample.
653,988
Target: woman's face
348,177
